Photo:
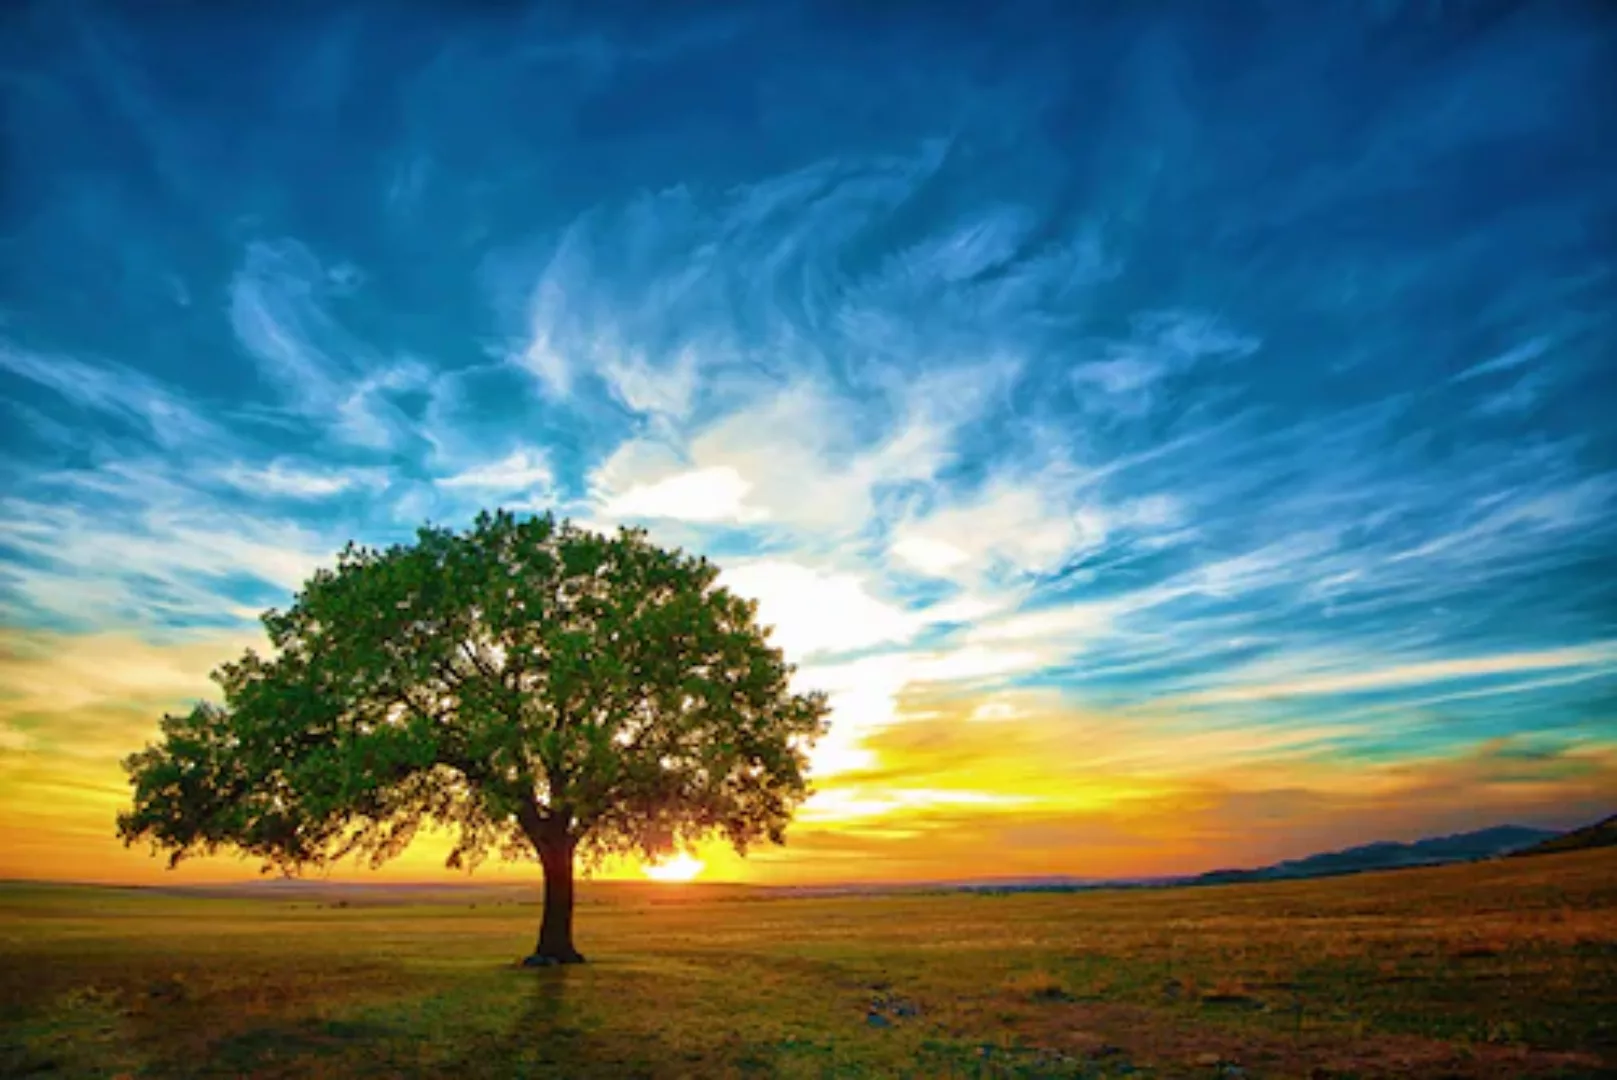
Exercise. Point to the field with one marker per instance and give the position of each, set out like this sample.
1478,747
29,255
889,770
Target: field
1500,969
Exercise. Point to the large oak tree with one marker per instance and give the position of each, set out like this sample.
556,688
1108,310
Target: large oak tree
535,687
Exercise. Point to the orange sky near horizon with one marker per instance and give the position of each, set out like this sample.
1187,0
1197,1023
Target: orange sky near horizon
1008,783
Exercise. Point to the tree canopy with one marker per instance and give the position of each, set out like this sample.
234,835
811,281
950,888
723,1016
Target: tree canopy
529,684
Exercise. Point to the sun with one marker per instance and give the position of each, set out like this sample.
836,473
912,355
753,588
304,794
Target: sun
680,868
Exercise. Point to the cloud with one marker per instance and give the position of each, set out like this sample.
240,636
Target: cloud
867,694
789,455
1601,655
542,355
1025,523
523,470
1525,353
277,309
815,611
283,310
1029,525
64,683
845,807
665,392
797,457
929,555
281,479
165,417
1512,521
1163,345
1139,798
713,494
1518,399
183,556
366,414
1062,623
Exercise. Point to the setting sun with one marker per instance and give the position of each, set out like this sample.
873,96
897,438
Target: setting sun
681,867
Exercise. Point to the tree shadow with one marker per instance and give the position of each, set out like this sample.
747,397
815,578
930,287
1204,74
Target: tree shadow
295,1045
559,1032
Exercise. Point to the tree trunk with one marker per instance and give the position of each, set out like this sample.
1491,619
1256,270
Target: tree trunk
555,945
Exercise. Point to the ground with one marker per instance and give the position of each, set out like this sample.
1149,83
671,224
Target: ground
1500,969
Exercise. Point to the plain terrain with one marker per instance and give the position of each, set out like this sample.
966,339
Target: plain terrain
1497,969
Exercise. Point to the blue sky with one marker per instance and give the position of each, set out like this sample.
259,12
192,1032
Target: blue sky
1243,378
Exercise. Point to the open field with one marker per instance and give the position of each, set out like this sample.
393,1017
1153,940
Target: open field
1500,969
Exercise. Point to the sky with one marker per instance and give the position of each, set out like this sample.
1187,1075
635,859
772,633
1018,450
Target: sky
1175,435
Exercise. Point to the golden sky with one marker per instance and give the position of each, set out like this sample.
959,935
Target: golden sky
935,787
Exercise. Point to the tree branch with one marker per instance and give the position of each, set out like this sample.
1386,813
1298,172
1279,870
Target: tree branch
453,680
487,673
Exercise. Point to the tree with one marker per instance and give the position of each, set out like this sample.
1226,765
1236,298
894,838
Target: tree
535,687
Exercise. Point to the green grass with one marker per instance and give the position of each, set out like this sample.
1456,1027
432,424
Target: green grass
1494,970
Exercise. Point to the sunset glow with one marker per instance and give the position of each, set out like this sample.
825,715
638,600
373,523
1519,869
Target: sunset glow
681,867
1168,445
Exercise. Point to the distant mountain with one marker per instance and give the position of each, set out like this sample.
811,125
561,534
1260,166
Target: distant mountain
1600,834
1386,855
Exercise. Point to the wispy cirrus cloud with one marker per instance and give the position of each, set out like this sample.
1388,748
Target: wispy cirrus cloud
283,311
282,478
129,547
1510,360
1600,656
160,413
1162,345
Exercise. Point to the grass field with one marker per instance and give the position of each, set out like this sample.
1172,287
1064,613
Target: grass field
1501,969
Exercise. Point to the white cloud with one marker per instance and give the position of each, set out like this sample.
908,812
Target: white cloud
277,312
1030,524
963,609
117,391
541,356
365,417
635,462
665,391
795,450
522,470
818,611
1602,655
549,304
278,478
1162,345
713,494
1120,376
1065,624
795,455
929,554
971,663
967,251
173,559
1518,520
864,693
776,459
280,310
1519,398
863,696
